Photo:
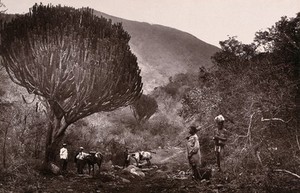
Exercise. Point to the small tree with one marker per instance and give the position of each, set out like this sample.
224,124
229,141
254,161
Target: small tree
77,63
144,108
233,54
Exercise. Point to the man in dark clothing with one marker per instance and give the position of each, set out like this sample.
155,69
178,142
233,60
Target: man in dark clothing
126,158
193,152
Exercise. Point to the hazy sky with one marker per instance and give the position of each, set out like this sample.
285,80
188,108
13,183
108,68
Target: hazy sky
208,20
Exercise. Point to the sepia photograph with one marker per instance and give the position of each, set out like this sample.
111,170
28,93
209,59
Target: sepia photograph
149,96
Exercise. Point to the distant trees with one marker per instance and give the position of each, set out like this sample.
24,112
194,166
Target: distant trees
282,40
282,43
234,54
77,63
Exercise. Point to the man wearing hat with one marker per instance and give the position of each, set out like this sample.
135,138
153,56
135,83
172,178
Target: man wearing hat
193,151
219,138
63,154
80,160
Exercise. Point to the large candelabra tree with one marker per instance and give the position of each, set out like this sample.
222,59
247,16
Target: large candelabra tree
79,64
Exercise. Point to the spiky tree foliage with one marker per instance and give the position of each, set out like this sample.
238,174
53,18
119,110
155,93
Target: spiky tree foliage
78,63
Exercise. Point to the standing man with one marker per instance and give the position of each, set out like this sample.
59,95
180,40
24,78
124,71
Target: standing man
80,160
63,154
219,138
126,158
193,152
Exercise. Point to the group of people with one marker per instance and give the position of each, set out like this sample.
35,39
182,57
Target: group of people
193,150
79,159
193,146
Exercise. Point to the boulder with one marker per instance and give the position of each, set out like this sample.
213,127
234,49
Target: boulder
54,168
125,180
134,170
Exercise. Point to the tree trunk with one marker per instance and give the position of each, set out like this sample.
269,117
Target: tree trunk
4,147
54,137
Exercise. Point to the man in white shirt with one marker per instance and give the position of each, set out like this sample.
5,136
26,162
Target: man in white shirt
63,154
80,160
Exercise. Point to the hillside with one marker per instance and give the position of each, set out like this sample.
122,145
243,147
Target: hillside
163,52
254,91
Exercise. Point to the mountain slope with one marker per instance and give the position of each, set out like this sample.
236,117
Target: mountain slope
163,51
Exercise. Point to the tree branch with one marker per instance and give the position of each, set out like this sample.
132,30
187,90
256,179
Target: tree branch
286,171
249,130
273,119
27,101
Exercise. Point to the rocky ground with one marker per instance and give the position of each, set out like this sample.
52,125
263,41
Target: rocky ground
155,180
169,173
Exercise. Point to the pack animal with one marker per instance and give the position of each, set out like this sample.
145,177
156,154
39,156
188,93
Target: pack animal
142,156
91,159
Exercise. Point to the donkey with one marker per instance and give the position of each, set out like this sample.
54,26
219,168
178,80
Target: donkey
142,156
93,158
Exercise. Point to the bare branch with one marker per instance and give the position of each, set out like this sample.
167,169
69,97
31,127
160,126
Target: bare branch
286,171
26,100
249,129
274,119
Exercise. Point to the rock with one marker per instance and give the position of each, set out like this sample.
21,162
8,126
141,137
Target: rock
125,180
54,169
131,169
141,174
216,190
